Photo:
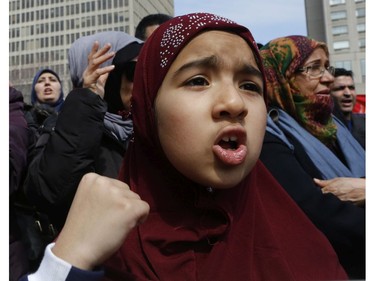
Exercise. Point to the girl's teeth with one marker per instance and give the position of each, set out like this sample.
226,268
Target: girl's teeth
226,139
234,138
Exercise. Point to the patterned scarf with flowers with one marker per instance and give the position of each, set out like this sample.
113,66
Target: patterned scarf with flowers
281,58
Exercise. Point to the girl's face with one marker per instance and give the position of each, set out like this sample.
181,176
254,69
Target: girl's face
210,110
47,88
315,86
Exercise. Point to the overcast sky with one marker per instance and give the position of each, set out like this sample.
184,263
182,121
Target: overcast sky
266,19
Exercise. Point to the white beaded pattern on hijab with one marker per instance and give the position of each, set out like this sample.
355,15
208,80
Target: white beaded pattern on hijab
175,35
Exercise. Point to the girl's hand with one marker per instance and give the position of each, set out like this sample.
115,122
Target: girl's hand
102,214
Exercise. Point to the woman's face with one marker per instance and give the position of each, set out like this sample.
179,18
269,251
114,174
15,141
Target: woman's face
315,86
210,110
47,88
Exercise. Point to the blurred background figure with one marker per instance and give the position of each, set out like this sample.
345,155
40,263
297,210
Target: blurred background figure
19,141
47,98
148,24
93,129
345,98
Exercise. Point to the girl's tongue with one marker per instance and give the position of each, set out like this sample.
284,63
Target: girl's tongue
230,153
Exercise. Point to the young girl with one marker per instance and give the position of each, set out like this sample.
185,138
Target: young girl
214,211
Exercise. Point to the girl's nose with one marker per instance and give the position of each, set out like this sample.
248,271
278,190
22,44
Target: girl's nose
230,103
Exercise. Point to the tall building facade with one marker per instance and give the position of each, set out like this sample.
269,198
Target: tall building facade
342,25
42,31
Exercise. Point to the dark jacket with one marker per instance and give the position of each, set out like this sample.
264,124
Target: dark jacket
356,125
343,223
358,128
78,144
19,144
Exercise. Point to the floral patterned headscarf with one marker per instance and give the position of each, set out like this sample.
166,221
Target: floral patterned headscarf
281,58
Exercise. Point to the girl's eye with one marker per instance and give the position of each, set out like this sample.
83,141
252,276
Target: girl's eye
249,86
197,81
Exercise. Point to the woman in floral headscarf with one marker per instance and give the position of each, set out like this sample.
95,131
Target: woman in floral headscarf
215,212
304,142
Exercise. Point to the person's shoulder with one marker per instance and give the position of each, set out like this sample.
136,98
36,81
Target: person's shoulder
271,138
359,116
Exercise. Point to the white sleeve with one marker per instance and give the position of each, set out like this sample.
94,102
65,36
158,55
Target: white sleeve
51,268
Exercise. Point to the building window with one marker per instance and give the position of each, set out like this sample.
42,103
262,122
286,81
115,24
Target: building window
336,2
338,15
360,13
342,29
362,43
339,45
347,64
363,69
361,27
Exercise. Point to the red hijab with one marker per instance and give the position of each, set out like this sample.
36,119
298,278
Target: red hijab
253,231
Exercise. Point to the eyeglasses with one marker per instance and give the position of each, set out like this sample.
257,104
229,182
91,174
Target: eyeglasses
316,70
129,69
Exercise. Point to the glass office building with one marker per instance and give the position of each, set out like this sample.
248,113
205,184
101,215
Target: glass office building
42,31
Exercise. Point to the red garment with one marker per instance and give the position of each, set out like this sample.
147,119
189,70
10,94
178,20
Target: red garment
253,231
360,105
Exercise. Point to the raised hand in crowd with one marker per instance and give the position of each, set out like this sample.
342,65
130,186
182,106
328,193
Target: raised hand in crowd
103,212
95,77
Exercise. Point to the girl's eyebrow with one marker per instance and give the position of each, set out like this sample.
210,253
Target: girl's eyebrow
213,62
210,62
251,70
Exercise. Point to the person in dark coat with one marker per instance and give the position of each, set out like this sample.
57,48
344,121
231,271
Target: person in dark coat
304,142
92,130
47,98
19,144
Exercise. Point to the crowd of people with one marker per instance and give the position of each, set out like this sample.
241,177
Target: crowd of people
188,153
